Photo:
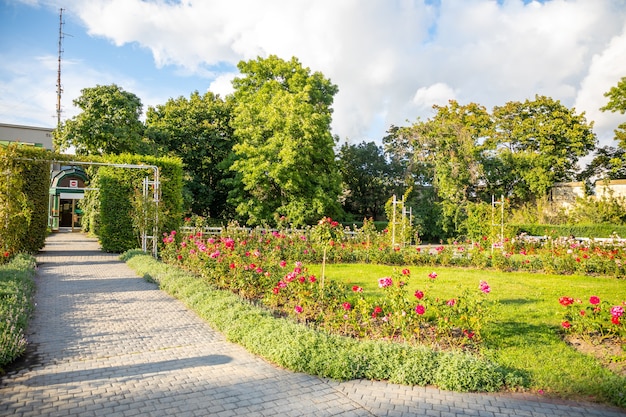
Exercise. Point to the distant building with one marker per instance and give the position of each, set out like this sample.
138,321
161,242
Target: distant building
40,137
565,194
67,189
614,188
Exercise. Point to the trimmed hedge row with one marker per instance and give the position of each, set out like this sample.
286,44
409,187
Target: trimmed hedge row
24,185
578,230
302,349
116,213
37,177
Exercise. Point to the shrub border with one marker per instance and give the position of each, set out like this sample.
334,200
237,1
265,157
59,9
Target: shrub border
17,298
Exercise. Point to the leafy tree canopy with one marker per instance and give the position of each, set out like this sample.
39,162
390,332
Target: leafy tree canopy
540,141
608,163
108,123
447,148
617,103
520,150
617,98
368,179
198,131
284,155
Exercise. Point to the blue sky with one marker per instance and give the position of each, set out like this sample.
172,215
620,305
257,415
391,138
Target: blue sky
30,34
391,59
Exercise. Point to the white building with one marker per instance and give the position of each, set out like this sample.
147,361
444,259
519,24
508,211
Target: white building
566,193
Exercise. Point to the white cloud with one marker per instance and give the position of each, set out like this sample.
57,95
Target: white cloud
31,95
605,71
390,60
358,45
223,84
27,99
439,93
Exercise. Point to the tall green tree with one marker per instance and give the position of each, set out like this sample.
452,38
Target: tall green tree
198,131
617,103
452,143
467,155
284,155
398,148
608,163
109,123
449,149
538,143
368,179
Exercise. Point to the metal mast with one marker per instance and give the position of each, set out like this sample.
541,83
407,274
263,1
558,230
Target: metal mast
59,88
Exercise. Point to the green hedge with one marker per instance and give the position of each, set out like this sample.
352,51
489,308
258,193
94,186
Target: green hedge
578,230
116,232
23,198
115,212
303,349
37,175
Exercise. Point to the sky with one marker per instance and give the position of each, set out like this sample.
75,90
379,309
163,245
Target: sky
392,60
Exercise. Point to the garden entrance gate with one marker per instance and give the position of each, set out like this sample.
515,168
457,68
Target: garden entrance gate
66,194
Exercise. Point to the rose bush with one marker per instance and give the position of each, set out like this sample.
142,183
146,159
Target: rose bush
328,240
264,266
594,320
268,266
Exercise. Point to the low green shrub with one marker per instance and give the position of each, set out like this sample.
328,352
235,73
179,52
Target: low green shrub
578,230
460,372
16,304
303,349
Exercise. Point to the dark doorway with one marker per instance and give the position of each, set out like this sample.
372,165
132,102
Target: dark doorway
69,213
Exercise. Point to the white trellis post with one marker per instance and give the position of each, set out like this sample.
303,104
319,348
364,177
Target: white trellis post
403,215
393,223
494,203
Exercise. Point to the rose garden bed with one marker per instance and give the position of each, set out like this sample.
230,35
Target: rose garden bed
444,299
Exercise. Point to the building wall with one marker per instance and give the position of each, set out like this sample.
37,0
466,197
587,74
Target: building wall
616,188
565,193
26,134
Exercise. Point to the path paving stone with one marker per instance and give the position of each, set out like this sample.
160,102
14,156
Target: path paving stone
105,342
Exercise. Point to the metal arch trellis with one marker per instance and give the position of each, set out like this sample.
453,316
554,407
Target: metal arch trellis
403,221
156,192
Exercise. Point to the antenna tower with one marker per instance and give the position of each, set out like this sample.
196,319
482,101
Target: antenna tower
59,88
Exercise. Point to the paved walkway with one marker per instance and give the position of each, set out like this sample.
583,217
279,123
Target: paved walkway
107,343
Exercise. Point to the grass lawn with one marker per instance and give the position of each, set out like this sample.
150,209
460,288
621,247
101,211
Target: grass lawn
524,332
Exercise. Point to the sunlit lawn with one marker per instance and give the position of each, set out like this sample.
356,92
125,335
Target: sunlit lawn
524,332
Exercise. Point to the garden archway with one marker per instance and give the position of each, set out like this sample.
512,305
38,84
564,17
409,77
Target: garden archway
66,189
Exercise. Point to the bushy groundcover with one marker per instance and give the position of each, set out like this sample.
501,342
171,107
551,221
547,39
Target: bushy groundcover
16,304
300,348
